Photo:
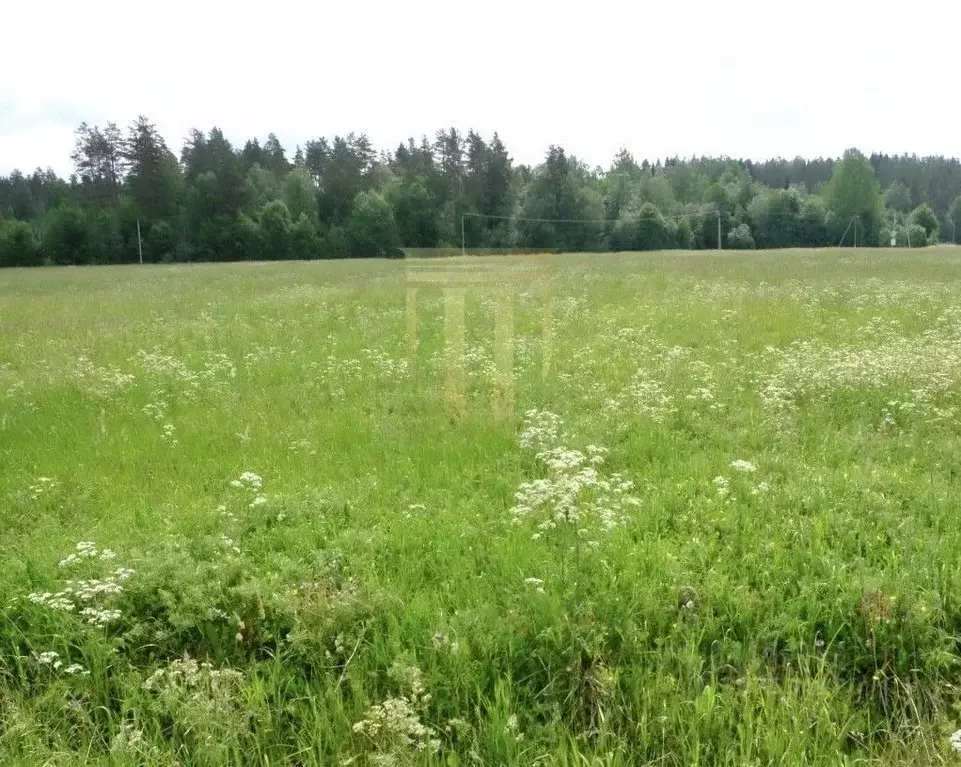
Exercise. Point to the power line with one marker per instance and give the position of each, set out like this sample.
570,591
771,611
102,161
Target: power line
700,214
707,212
716,211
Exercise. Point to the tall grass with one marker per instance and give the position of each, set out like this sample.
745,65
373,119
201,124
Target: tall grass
294,551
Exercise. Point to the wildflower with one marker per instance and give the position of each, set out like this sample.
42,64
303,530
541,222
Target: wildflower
723,486
99,617
58,601
259,500
457,725
541,430
441,641
229,543
187,674
47,658
41,485
397,722
513,728
76,668
955,741
576,492
85,550
743,466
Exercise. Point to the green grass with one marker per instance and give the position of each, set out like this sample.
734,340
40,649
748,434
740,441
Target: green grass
805,613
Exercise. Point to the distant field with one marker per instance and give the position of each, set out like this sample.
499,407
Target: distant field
669,509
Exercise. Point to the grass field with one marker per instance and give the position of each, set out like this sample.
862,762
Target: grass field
275,515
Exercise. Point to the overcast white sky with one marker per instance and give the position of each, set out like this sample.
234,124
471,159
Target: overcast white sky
746,78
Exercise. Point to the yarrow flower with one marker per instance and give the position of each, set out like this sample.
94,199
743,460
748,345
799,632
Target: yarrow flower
743,466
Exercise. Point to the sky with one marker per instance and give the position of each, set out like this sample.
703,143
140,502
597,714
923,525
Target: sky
742,78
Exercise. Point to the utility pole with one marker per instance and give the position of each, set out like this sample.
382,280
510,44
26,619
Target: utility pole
139,243
719,244
463,239
855,232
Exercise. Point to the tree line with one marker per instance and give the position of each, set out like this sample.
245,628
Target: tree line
339,197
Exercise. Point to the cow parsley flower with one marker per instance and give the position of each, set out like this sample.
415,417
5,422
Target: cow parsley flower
955,741
575,492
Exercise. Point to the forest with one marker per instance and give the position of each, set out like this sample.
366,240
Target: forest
130,198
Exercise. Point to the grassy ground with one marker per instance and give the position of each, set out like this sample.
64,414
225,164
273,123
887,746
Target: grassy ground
711,518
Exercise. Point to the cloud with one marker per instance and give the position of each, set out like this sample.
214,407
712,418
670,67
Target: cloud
746,78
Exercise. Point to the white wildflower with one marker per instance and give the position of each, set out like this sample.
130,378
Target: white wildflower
394,726
259,500
723,486
955,741
575,492
743,466
229,543
98,617
541,431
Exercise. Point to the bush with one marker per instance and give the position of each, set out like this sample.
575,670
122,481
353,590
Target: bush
683,234
275,229
924,217
304,239
371,230
160,243
917,236
644,230
18,244
740,238
69,237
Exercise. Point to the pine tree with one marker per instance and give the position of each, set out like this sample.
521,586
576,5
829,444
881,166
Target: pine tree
154,177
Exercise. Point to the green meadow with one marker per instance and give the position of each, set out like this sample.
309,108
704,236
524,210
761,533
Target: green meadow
601,509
